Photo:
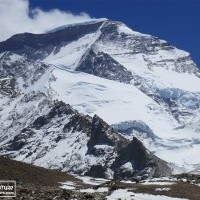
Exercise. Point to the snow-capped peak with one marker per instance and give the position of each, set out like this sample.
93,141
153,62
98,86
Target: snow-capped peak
87,22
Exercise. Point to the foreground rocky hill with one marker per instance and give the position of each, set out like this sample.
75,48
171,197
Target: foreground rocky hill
40,183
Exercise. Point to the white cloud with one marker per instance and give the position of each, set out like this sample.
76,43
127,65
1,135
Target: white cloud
15,18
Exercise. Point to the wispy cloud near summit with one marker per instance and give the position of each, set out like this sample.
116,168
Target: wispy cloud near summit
17,17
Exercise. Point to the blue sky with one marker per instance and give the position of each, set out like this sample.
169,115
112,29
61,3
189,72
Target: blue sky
177,21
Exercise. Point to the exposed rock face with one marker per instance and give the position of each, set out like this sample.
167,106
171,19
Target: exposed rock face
102,133
7,87
103,65
140,160
17,72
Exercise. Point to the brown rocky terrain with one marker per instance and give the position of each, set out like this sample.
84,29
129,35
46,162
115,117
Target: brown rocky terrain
38,183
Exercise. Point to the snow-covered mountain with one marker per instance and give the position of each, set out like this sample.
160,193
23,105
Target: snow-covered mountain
141,85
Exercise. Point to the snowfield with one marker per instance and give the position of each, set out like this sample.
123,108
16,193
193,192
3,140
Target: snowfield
130,195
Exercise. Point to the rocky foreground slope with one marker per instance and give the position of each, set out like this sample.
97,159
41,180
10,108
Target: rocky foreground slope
40,183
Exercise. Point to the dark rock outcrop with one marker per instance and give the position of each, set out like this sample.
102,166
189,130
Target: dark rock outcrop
103,65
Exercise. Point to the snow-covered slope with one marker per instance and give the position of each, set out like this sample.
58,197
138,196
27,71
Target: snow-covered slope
138,83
